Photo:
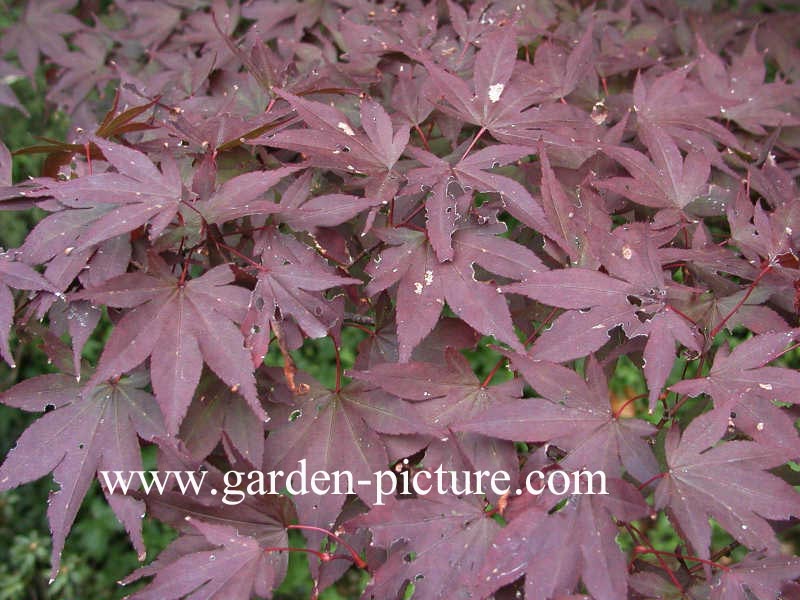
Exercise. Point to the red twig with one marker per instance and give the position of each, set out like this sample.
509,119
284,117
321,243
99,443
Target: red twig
739,304
705,561
651,480
338,355
643,538
422,137
473,142
357,560
618,412
531,337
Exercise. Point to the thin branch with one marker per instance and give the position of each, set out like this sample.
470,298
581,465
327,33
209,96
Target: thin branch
651,480
651,550
474,141
741,302
618,412
531,337
643,538
357,560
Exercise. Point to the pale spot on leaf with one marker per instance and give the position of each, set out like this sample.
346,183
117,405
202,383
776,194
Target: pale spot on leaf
345,127
495,91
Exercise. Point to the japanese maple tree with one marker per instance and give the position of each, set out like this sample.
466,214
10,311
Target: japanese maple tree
575,192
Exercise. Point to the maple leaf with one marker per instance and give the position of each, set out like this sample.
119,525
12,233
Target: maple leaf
757,574
181,324
335,144
635,295
40,31
474,172
435,542
450,199
774,183
408,97
86,433
620,48
407,32
727,481
256,529
704,254
741,384
719,309
502,104
271,17
55,241
446,203
208,31
149,23
743,95
217,414
556,73
575,415
471,26
214,134
381,347
576,219
290,275
337,431
302,213
242,196
78,319
494,65
669,181
17,275
683,109
555,551
230,566
142,193
768,235
424,284
83,70
447,395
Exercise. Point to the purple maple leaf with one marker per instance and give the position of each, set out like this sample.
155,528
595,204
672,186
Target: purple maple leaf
86,433
182,324
726,481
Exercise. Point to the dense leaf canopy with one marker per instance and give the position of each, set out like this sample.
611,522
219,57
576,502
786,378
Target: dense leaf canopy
566,187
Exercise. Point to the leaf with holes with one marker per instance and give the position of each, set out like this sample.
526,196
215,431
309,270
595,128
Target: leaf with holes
423,283
635,295
289,280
